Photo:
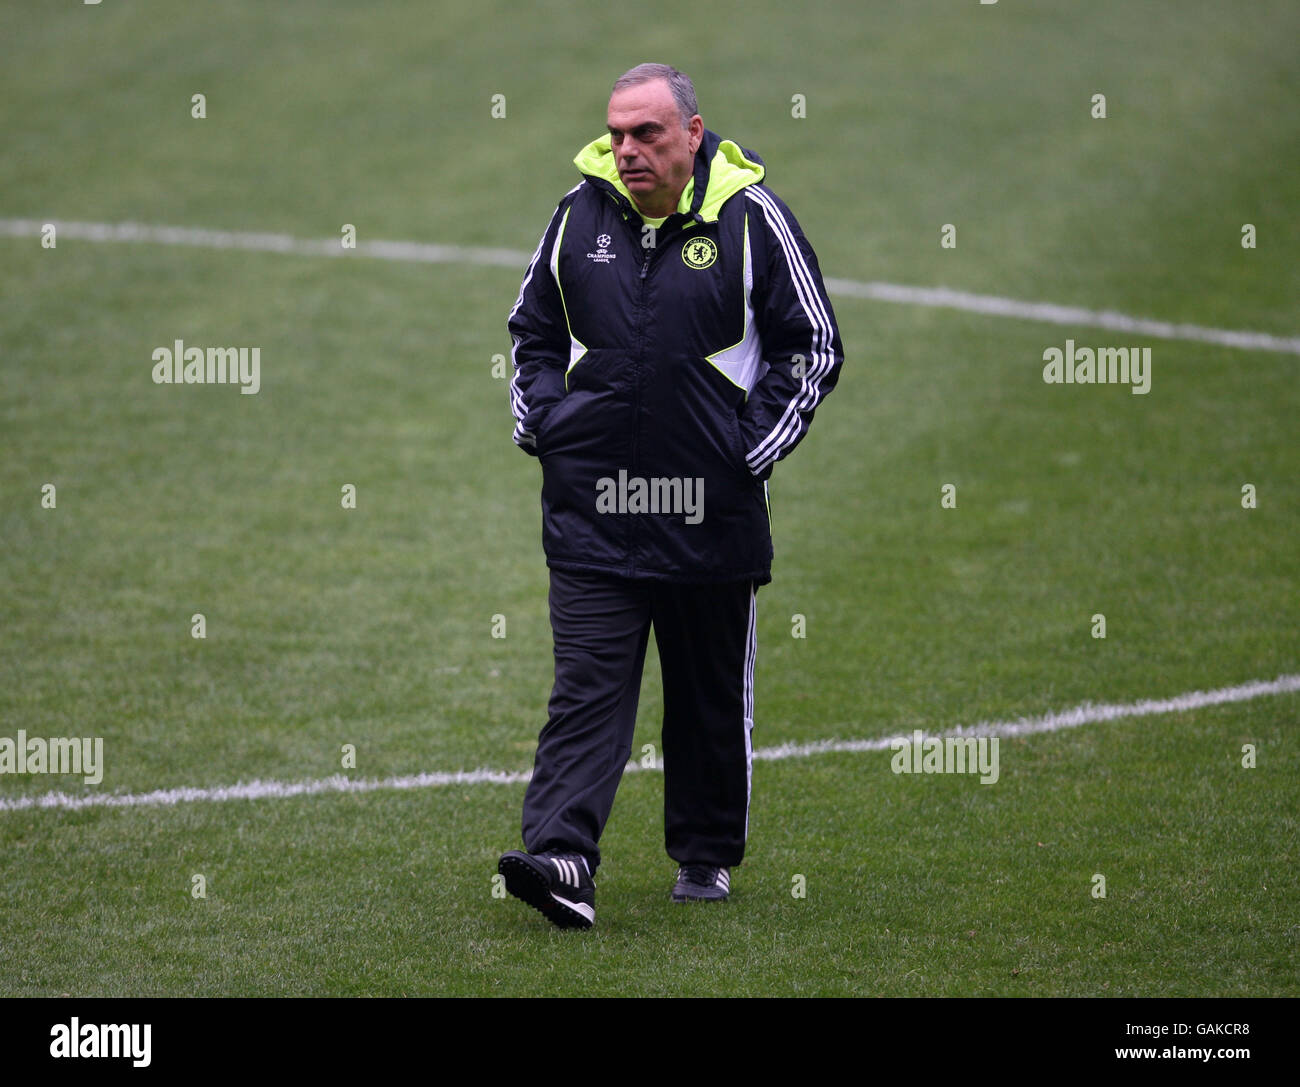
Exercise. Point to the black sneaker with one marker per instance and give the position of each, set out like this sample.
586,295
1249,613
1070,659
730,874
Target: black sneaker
558,884
702,883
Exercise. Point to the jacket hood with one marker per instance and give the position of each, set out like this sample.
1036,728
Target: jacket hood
722,169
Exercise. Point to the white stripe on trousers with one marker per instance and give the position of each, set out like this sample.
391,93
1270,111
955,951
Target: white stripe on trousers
751,651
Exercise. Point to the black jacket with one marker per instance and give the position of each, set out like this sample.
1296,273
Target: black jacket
690,359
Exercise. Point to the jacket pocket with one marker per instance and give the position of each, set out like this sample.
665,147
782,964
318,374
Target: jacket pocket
555,418
737,445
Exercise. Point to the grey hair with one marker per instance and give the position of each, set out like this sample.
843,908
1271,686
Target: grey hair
678,82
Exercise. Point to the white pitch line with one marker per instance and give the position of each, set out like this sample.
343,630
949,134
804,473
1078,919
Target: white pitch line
427,253
260,790
417,252
946,298
1086,714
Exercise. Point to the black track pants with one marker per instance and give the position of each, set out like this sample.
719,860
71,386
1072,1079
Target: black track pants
706,639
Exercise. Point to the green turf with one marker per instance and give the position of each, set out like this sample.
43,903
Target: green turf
912,885
373,626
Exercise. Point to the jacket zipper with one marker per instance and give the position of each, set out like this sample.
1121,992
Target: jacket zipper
636,390
642,320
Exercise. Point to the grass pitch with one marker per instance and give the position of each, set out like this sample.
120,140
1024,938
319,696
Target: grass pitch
372,626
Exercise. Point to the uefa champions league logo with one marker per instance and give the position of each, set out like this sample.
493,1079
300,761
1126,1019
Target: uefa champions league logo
602,255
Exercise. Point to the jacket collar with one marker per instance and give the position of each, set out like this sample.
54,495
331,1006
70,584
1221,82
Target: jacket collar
722,169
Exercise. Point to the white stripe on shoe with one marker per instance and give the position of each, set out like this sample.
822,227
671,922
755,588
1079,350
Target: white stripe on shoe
568,874
581,908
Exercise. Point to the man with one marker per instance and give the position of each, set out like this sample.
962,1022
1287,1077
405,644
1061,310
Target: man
672,339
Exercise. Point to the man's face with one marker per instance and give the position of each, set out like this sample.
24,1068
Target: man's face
654,154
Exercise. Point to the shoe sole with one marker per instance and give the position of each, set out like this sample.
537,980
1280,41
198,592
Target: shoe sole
681,897
529,883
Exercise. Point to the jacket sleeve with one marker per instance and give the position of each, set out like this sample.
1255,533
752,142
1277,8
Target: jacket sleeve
800,339
539,336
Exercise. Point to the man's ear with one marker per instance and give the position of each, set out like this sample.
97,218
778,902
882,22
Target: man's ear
697,133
